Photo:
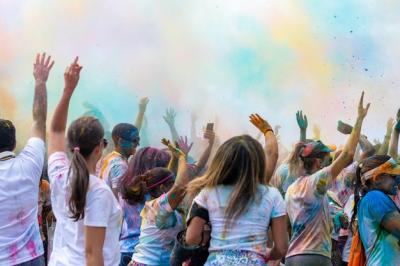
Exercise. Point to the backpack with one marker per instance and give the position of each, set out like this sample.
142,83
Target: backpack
357,251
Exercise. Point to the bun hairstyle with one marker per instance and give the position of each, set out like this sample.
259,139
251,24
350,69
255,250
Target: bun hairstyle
360,190
302,159
84,135
296,164
147,183
144,160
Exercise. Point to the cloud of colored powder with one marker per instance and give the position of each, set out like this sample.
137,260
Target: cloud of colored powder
222,59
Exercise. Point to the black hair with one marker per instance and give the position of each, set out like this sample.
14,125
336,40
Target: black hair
7,135
125,131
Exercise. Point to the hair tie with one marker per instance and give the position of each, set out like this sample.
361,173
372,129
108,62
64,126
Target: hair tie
76,149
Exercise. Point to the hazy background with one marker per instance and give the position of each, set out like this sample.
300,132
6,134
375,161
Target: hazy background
223,59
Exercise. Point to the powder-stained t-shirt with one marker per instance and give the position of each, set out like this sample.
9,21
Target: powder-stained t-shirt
130,225
308,210
343,184
160,226
281,179
112,168
249,230
371,211
20,239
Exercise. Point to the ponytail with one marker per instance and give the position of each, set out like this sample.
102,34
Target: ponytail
84,135
79,184
134,191
295,162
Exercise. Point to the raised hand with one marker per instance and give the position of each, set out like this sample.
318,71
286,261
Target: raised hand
71,76
389,125
143,104
42,67
317,131
209,135
260,123
362,111
301,120
176,152
183,145
170,116
344,128
397,125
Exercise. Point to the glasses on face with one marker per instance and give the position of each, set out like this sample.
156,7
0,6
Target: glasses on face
105,143
136,142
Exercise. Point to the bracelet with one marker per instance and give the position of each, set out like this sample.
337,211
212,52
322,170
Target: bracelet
269,130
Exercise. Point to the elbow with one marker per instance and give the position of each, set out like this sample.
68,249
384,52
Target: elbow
93,256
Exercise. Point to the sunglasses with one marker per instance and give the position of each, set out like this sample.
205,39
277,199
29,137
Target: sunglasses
135,142
105,143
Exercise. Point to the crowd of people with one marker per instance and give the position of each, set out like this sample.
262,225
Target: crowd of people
91,195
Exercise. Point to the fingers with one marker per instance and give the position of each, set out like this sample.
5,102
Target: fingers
37,59
51,65
42,58
361,103
47,61
366,109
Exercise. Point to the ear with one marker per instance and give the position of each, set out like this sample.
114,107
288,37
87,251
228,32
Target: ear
98,150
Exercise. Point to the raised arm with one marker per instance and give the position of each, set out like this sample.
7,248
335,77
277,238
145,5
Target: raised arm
210,136
384,148
178,191
169,118
59,121
316,132
302,122
394,140
366,146
271,143
41,69
347,155
142,110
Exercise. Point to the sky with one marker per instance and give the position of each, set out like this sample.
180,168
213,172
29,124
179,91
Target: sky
221,59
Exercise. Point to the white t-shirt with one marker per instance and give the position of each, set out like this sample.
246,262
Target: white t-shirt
249,231
20,239
101,210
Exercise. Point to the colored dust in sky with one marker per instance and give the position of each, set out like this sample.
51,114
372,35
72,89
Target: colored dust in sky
223,61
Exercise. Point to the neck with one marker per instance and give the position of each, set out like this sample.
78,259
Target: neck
91,164
117,149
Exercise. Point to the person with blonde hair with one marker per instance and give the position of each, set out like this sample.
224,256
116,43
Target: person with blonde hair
234,198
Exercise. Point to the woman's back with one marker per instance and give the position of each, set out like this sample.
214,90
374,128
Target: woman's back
248,232
381,247
308,210
101,210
